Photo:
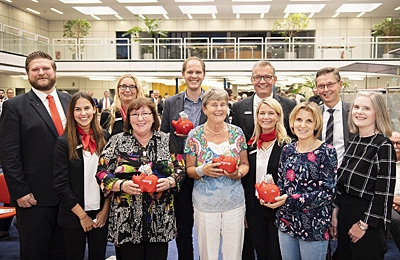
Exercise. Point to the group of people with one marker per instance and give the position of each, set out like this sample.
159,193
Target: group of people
334,164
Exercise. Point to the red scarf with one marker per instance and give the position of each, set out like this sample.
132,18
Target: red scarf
123,114
264,138
87,140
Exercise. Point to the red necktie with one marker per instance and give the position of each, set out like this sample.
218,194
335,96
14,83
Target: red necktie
54,115
105,103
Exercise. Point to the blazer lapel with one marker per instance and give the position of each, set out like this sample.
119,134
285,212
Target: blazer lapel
42,112
64,102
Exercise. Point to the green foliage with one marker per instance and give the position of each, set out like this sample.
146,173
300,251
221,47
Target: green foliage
291,25
78,29
387,27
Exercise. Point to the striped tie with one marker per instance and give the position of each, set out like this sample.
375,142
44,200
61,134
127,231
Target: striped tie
329,128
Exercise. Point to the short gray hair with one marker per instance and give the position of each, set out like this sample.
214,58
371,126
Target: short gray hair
214,94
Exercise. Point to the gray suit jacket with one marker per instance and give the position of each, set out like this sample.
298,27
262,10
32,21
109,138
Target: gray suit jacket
345,118
172,106
243,117
28,137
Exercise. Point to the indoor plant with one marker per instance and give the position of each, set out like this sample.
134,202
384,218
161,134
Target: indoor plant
387,27
150,30
288,27
78,29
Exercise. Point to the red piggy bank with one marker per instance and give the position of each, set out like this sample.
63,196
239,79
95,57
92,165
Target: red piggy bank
227,163
182,126
267,191
147,182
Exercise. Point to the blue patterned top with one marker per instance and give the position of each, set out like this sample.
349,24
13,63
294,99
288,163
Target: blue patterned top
222,193
309,180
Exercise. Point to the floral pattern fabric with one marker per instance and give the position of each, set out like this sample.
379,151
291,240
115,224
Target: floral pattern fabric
309,180
222,193
149,216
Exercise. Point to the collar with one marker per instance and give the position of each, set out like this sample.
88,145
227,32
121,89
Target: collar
200,98
337,107
257,99
42,96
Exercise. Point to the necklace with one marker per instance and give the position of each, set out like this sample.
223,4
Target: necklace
308,149
211,131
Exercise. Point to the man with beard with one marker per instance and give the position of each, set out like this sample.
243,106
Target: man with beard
29,129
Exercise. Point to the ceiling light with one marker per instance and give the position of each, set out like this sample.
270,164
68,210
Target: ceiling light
306,8
96,10
189,16
360,14
57,11
101,78
95,17
198,9
193,1
10,1
250,9
357,8
335,15
397,8
147,9
81,1
119,17
166,16
33,11
310,15
136,1
262,15
36,1
237,16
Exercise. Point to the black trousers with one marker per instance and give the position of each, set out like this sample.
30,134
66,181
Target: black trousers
39,235
372,245
75,241
184,220
395,228
144,251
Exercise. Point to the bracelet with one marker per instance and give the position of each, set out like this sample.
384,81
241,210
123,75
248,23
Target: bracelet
361,226
83,217
199,170
120,186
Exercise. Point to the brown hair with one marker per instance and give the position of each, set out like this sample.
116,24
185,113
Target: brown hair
136,105
328,70
70,127
39,55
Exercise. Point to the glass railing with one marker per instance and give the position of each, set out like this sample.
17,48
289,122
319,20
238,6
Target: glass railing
18,41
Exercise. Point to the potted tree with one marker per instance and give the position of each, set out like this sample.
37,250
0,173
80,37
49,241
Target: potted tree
77,29
149,30
387,27
290,26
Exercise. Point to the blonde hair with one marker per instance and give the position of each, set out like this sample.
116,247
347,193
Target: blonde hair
315,111
281,134
382,122
116,105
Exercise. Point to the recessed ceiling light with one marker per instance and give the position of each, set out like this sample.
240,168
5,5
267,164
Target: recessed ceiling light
136,1
193,1
95,17
81,1
119,17
299,8
198,9
335,15
147,9
55,10
360,14
357,8
166,16
33,11
250,9
189,16
96,10
244,1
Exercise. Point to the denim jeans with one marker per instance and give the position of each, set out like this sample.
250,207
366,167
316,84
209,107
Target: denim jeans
297,249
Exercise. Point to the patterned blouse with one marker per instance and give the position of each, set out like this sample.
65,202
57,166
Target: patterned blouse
222,193
309,180
148,216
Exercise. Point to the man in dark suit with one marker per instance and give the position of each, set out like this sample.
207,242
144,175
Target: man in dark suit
28,136
193,71
106,101
263,79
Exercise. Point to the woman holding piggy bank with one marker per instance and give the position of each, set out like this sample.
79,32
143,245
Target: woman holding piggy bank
218,195
307,180
141,222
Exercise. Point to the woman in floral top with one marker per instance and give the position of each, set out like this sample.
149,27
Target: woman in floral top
218,195
307,179
142,223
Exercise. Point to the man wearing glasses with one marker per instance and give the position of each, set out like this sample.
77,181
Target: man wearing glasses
263,79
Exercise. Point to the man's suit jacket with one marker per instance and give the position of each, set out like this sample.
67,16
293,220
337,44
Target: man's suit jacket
242,114
28,137
172,106
345,119
101,103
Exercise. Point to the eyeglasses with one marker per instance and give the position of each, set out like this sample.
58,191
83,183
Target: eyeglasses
125,87
396,143
328,85
144,115
267,78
